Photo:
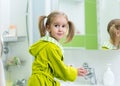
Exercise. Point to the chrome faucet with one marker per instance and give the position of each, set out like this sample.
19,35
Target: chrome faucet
20,83
91,74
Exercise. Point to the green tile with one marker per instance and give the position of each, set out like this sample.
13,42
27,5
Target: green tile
78,41
90,17
92,42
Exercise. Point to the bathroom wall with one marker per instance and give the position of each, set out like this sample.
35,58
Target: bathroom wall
4,14
36,11
14,13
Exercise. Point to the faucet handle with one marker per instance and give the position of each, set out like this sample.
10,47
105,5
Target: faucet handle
85,65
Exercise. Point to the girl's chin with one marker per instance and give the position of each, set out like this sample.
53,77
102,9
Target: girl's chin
59,39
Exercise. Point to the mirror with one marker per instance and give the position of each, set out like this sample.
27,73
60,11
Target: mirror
107,10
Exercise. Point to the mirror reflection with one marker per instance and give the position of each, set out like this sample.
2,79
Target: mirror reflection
108,10
113,30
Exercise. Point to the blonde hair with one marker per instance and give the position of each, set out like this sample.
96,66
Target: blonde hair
112,27
49,19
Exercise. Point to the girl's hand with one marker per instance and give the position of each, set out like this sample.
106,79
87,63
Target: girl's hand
81,71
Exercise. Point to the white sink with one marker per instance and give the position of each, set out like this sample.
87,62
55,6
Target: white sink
75,84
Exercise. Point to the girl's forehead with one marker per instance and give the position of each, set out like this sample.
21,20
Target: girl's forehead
60,16
58,19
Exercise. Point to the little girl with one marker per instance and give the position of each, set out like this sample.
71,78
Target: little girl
114,32
48,52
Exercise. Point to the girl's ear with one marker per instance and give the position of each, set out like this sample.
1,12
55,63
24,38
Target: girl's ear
118,32
48,28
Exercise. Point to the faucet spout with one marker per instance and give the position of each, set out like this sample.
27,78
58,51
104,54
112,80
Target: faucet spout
93,77
91,74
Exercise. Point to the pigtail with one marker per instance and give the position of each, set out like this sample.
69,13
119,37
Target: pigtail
71,31
42,27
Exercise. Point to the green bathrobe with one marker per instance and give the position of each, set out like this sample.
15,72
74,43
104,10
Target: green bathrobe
48,64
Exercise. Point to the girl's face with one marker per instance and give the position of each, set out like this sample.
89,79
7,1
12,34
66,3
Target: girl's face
58,27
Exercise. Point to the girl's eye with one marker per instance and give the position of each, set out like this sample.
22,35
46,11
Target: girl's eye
64,26
56,25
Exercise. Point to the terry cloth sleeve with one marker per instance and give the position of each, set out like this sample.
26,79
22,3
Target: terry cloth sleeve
60,69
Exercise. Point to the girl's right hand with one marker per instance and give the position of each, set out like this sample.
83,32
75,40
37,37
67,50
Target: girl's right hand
81,71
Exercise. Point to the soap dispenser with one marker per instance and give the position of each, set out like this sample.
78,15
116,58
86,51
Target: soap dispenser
108,77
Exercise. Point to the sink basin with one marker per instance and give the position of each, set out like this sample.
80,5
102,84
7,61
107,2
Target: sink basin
75,84
79,85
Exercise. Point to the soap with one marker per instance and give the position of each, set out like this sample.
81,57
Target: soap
108,77
12,30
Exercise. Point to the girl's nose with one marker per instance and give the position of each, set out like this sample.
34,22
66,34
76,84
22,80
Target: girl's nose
60,28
